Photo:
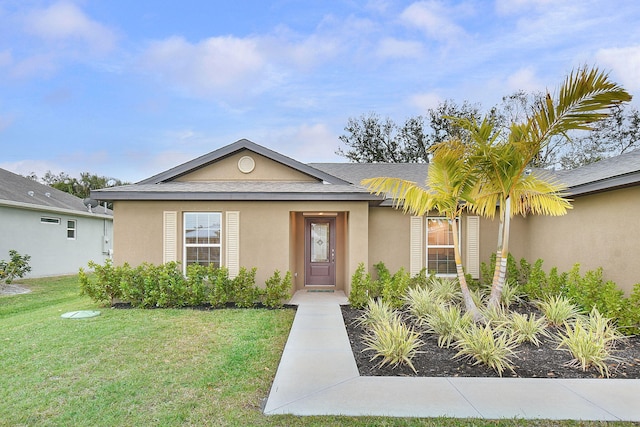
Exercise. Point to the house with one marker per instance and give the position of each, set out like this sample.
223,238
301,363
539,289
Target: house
244,205
55,228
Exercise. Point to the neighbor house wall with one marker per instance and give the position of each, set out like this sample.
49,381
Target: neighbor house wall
47,244
602,230
269,233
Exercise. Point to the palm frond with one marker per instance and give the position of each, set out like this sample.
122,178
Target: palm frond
583,99
405,194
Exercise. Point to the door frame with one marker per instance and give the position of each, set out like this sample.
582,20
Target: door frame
333,247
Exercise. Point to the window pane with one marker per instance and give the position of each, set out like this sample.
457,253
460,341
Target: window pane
441,261
439,232
203,256
319,242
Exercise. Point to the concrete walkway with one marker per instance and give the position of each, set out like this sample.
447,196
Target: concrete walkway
318,375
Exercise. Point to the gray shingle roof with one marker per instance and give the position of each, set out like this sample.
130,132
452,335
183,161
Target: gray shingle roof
20,190
236,190
613,172
356,172
341,180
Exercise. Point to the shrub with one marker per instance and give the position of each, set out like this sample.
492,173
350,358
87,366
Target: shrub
629,320
590,341
446,321
395,288
558,310
277,290
221,291
245,293
360,288
394,342
197,289
420,280
484,344
591,291
377,311
15,268
105,286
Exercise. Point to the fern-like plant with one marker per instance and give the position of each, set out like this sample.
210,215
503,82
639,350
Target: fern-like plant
394,342
486,345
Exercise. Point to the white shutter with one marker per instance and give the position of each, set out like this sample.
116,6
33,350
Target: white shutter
416,245
170,236
473,246
232,243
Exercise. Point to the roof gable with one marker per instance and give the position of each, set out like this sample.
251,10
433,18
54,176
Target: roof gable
198,167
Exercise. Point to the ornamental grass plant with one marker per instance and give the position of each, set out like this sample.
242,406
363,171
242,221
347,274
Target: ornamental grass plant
487,345
591,341
393,341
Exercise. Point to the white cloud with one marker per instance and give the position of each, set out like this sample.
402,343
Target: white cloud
433,18
425,101
394,48
216,64
508,7
524,79
624,63
64,21
304,143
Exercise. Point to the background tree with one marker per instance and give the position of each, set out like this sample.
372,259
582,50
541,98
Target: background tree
371,139
80,187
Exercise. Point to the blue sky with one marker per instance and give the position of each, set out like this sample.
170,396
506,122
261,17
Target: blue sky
127,89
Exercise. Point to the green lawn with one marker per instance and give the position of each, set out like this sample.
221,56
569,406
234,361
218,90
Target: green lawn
149,367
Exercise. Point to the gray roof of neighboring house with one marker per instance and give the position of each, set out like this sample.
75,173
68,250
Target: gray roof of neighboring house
18,191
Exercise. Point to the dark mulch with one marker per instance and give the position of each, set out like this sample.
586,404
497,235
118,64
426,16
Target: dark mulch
544,361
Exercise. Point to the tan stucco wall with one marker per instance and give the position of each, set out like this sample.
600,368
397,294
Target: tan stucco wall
601,230
227,170
389,234
270,234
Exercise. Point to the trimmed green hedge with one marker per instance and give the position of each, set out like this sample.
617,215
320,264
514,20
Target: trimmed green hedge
164,286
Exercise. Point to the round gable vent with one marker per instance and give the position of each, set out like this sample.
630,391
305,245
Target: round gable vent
246,164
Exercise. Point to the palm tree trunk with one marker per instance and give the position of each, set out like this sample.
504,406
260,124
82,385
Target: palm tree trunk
500,274
469,304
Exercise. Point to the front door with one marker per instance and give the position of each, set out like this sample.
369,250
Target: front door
320,251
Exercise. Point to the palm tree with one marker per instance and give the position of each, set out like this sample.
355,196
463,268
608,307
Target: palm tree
449,184
506,182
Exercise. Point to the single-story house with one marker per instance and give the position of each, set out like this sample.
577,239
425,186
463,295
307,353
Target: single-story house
244,205
56,229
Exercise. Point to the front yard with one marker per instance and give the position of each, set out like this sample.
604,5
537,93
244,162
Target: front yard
149,367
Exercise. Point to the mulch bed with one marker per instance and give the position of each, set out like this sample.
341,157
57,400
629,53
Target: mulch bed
544,361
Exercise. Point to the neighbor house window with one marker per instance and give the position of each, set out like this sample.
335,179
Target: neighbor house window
71,229
49,220
440,255
202,231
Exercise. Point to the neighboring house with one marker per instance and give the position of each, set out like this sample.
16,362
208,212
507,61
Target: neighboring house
247,206
55,228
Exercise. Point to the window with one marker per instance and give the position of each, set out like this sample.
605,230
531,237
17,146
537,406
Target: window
202,232
71,229
49,220
440,255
